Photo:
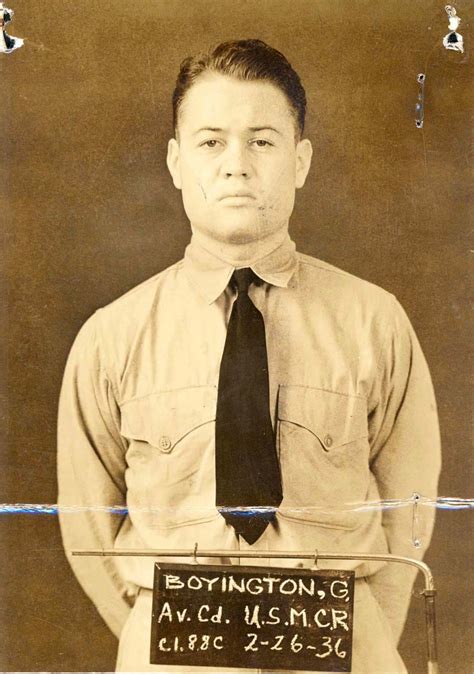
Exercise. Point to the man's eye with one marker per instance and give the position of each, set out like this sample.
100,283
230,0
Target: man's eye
209,143
260,142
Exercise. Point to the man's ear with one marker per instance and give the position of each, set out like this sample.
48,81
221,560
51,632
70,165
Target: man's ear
304,152
172,160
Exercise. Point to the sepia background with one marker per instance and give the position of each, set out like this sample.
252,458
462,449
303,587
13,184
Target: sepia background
90,211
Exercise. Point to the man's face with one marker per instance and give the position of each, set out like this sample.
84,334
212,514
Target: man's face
236,160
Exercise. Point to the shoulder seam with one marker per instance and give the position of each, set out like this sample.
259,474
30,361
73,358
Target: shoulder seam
327,267
144,284
324,267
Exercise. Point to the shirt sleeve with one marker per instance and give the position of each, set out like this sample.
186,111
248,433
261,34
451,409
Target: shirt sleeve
91,469
405,459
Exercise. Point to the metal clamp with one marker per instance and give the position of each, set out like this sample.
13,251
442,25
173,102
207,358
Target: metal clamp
415,538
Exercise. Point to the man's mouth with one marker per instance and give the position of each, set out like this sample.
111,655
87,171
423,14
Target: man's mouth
237,195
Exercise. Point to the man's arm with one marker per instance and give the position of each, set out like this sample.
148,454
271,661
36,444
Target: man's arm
405,458
91,468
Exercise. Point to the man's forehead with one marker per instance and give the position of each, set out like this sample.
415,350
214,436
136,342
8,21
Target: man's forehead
218,102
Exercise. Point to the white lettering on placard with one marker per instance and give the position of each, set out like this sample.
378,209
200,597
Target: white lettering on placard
255,585
204,617
233,585
337,651
277,645
252,618
295,614
210,582
173,582
217,617
339,618
200,615
194,583
290,586
308,589
273,617
328,644
342,593
270,582
253,640
162,645
165,612
317,620
181,614
194,642
296,644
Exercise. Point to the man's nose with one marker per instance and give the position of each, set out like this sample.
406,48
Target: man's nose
235,161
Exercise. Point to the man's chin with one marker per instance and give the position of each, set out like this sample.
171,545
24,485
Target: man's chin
235,232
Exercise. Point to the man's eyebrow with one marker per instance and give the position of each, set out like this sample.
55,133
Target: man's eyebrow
253,129
206,128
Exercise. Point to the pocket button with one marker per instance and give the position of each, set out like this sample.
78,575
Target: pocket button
164,443
328,440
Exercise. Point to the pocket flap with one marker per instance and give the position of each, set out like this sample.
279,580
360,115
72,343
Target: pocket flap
165,417
335,419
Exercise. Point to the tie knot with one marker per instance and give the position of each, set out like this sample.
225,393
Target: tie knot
242,278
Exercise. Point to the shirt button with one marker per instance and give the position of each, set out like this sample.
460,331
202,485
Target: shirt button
164,443
328,440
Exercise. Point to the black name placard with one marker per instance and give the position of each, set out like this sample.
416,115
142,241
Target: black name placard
255,617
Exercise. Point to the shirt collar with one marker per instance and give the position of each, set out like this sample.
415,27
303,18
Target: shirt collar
210,275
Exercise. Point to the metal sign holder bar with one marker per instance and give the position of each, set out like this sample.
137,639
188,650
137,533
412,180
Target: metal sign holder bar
428,592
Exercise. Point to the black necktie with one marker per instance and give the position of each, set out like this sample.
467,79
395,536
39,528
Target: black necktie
248,481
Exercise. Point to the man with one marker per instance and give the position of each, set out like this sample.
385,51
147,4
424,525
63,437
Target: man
246,353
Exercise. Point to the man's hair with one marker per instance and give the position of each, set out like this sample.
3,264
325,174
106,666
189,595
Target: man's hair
246,60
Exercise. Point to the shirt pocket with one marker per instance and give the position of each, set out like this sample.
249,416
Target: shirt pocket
323,449
171,460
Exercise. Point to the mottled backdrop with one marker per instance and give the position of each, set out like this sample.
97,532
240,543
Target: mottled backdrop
90,211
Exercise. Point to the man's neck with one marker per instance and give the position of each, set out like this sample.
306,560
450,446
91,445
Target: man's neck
241,254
